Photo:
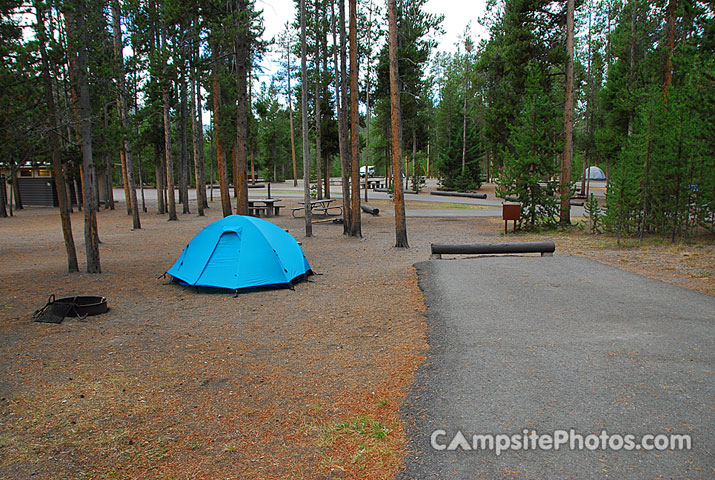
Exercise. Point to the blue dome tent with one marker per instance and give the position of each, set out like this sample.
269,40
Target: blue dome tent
595,173
240,252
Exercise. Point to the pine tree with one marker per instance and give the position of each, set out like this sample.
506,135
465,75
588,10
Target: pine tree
529,168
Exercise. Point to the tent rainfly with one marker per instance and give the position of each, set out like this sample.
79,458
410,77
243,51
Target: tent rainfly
239,252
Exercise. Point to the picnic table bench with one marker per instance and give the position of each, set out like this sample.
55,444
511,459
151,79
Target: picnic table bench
323,206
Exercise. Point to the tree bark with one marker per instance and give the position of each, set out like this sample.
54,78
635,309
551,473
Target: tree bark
15,188
290,113
3,198
670,44
196,135
75,16
242,52
355,227
304,120
567,158
184,152
124,114
326,175
367,99
344,148
318,153
220,155
464,118
109,201
158,173
59,179
169,157
125,180
167,135
396,117
632,60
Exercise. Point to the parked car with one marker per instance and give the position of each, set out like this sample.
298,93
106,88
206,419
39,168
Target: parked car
370,171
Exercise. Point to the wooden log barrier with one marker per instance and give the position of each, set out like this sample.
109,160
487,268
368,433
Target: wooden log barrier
368,209
458,194
544,248
385,190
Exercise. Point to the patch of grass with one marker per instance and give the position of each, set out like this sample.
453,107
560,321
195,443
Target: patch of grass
231,447
383,402
701,274
364,425
363,442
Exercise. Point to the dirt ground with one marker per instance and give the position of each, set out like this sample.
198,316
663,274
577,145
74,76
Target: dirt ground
171,383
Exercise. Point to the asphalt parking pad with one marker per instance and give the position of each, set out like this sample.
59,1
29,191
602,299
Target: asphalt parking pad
546,344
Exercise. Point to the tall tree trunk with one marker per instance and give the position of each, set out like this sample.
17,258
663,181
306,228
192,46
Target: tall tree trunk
242,60
290,112
396,116
15,187
632,60
567,158
184,163
125,180
139,158
124,113
646,174
318,153
195,142
338,108
168,156
367,100
326,176
158,169
464,118
220,154
589,94
3,197
355,227
167,134
109,200
75,15
304,121
670,44
59,179
414,155
211,165
201,165
343,118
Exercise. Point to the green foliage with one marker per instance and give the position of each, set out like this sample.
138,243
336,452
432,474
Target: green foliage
529,168
273,137
594,213
661,142
416,40
450,114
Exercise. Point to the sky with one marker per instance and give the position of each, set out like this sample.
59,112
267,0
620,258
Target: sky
457,13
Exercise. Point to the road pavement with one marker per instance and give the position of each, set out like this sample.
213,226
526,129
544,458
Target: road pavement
560,343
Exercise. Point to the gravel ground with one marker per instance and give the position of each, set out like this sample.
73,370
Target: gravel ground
303,383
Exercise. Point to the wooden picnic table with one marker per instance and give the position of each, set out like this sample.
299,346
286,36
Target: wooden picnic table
267,205
322,206
325,202
375,183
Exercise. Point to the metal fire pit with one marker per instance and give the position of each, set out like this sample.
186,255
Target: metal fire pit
79,306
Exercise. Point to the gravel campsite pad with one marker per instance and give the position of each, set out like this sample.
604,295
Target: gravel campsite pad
171,383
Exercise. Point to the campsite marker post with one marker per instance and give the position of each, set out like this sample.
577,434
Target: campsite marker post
510,211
